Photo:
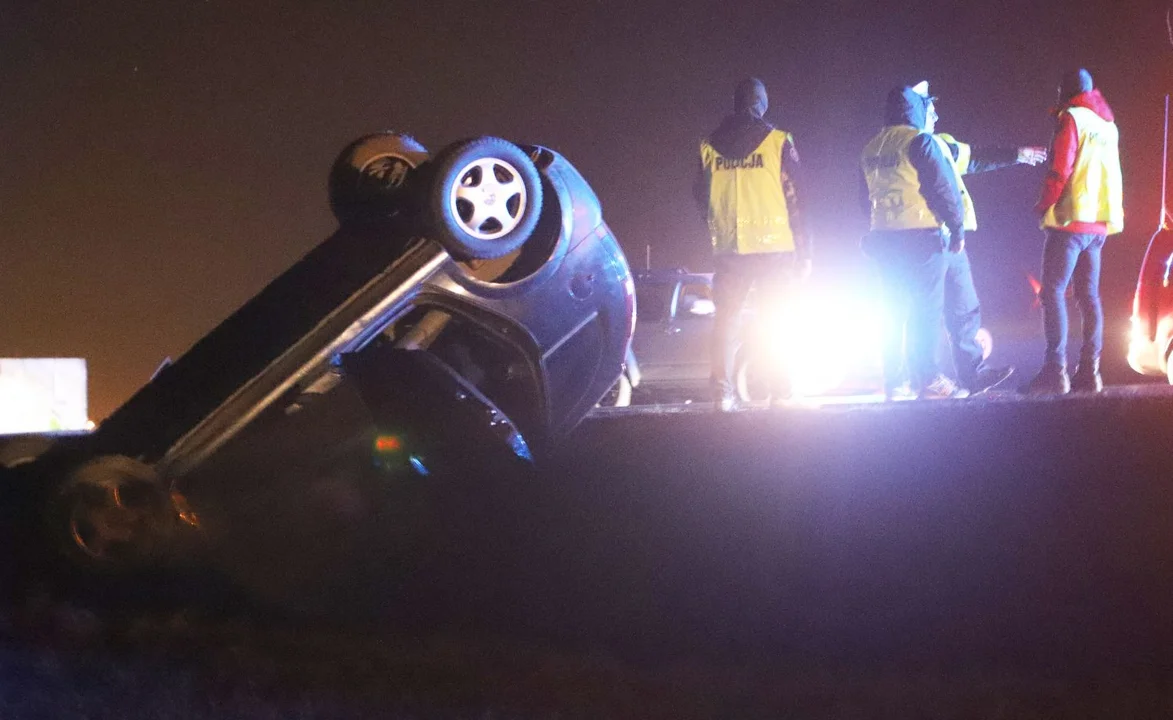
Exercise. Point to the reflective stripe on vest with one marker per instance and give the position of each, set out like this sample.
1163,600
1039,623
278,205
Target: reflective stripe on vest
1095,191
961,167
747,208
894,184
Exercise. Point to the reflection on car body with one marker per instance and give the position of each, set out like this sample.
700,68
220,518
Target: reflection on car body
1151,338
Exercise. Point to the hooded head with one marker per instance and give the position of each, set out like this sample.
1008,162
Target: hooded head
750,96
908,105
1075,82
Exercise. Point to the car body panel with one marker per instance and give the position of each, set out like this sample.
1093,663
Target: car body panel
670,343
1151,333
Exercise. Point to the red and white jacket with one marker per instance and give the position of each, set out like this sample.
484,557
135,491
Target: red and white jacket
1062,157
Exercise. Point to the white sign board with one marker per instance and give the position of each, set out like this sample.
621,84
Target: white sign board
42,395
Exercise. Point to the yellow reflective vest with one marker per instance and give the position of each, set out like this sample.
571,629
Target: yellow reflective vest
894,184
1095,191
747,207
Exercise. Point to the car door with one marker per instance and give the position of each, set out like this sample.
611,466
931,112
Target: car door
690,330
651,340
672,335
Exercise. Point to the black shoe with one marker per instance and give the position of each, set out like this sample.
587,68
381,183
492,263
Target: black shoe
1087,377
1051,380
989,378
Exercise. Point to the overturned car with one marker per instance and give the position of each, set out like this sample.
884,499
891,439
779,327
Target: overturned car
475,299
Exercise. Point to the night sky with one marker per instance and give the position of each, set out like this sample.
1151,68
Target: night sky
163,161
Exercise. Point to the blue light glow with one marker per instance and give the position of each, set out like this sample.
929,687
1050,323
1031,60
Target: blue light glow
417,464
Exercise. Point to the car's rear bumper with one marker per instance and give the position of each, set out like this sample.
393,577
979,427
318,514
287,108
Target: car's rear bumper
1146,354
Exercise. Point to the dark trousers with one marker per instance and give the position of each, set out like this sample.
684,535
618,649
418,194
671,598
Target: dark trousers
768,275
963,317
1066,257
912,265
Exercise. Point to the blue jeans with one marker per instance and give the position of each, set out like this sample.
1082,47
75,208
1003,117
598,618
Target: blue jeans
912,266
1068,256
963,318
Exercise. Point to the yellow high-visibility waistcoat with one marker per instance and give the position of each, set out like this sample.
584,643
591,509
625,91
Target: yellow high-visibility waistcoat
961,166
747,208
894,184
1095,191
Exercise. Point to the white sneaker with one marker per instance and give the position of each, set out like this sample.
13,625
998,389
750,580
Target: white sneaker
942,388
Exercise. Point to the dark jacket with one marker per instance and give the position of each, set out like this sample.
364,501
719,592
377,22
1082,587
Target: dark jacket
737,136
934,169
985,159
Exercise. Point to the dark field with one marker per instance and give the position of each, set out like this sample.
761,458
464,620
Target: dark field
984,559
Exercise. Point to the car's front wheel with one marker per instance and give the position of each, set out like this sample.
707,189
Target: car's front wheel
753,385
485,199
111,516
369,178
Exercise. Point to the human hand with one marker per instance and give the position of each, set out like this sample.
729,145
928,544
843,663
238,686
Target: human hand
1032,155
957,242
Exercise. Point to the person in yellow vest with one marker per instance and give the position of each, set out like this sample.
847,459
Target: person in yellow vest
963,314
1081,204
911,192
746,190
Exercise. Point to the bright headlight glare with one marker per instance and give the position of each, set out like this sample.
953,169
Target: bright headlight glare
820,338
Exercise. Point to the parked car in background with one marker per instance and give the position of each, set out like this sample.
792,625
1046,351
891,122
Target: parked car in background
670,345
1151,338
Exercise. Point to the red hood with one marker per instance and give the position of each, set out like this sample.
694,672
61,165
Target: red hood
1092,100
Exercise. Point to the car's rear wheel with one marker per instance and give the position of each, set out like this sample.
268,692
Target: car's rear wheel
369,177
485,199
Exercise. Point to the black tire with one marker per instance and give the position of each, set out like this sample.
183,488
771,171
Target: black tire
111,517
371,177
752,384
484,199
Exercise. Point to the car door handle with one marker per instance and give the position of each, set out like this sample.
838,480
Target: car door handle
671,329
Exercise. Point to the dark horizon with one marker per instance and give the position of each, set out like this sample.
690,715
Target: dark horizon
161,166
